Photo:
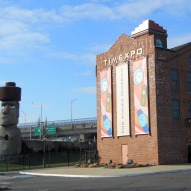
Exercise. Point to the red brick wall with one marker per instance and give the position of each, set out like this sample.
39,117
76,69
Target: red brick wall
168,139
141,148
173,135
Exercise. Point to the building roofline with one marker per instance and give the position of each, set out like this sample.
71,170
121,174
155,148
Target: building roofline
177,48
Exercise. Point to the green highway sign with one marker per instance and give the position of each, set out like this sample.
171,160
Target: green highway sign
50,129
37,131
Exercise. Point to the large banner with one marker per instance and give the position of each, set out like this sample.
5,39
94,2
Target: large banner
141,96
106,102
122,87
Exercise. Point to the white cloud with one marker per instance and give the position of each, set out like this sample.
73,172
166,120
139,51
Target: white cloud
86,90
96,11
30,16
102,1
88,58
2,83
87,11
99,48
22,40
179,40
23,28
137,9
12,27
127,10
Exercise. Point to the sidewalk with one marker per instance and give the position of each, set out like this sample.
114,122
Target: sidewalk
104,172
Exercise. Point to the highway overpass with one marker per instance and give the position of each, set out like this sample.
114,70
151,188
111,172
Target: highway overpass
63,128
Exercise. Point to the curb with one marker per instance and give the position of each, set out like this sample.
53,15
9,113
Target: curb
9,173
105,176
71,176
160,172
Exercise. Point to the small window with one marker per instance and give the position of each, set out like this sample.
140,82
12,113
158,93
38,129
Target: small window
175,109
188,81
190,60
174,80
189,109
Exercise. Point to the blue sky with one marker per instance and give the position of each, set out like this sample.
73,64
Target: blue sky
49,47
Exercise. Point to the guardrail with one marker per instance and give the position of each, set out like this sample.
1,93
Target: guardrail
58,123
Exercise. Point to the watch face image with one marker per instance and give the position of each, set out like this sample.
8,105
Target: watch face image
104,85
142,120
159,43
106,124
138,76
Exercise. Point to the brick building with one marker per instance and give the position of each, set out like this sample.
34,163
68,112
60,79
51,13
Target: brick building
144,99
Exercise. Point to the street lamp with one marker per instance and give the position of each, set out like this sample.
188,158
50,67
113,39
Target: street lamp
40,117
44,156
71,109
25,123
25,117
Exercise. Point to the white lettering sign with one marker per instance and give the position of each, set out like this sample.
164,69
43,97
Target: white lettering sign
121,57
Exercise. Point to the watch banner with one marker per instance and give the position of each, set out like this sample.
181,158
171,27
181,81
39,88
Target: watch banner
141,107
122,91
106,102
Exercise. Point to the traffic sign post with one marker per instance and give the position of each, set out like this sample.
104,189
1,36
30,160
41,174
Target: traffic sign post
37,131
51,130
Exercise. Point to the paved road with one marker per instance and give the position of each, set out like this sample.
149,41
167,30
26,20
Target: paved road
180,181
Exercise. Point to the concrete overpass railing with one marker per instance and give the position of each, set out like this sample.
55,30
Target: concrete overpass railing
63,127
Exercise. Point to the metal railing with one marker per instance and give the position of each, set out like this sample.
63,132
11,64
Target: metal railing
61,123
48,159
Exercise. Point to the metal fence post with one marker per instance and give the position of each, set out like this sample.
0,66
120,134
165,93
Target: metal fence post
49,158
68,157
29,160
7,163
44,154
23,161
86,156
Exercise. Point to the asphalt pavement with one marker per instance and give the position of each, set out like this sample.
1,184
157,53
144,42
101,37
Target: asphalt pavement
106,172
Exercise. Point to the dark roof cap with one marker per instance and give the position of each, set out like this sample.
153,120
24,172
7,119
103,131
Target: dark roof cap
10,92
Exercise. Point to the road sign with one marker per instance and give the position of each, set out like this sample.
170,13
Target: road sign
50,129
37,131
